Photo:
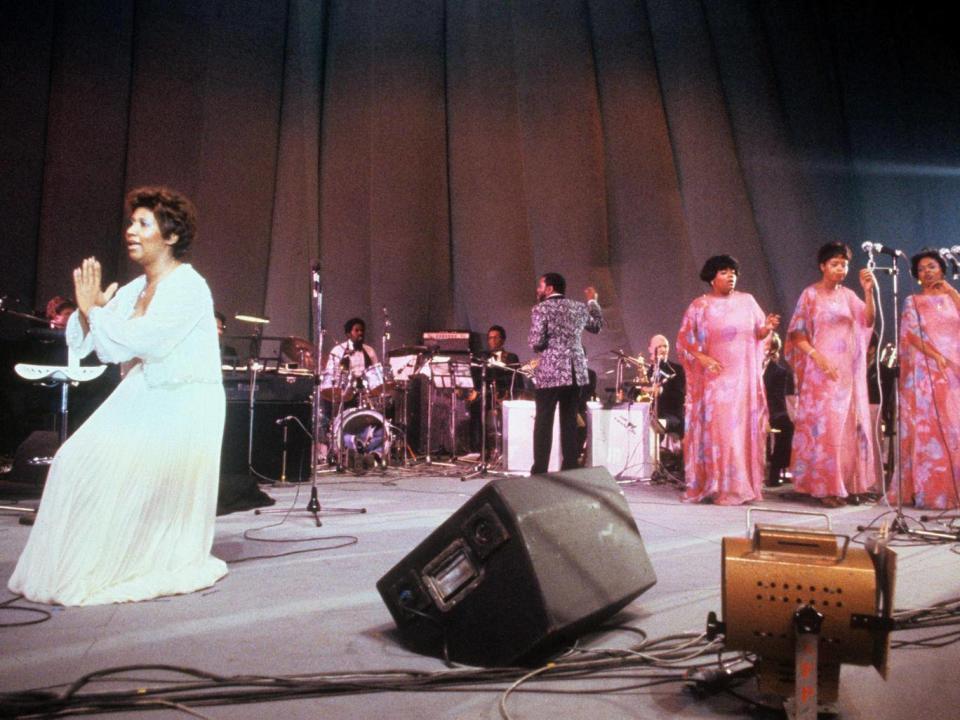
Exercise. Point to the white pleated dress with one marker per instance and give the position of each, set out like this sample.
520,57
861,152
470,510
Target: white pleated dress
130,501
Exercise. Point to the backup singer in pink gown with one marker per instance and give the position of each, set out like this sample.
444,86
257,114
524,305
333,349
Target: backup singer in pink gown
827,347
930,388
721,348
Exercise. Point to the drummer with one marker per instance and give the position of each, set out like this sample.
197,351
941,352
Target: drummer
352,356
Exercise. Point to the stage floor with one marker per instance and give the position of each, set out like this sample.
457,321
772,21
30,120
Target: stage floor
318,611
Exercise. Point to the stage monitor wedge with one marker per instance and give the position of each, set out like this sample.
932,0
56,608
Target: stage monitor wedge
524,566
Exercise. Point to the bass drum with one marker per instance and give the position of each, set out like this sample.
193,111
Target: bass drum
362,430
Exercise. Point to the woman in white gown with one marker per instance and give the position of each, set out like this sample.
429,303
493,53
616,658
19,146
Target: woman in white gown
129,505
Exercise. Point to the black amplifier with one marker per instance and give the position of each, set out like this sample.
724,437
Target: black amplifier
272,387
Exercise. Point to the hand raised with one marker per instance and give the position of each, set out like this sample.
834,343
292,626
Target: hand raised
86,284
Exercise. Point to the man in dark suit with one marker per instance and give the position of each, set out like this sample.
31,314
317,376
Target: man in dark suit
500,382
556,326
778,384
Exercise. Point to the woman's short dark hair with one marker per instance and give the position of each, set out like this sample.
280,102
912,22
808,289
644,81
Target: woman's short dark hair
926,253
556,281
348,325
832,250
174,212
715,264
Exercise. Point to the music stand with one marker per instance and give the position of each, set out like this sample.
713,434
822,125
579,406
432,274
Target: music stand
482,469
53,376
404,368
446,374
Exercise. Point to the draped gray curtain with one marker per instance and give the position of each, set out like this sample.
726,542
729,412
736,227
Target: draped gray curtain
435,156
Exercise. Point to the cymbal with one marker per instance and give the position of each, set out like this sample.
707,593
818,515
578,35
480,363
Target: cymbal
407,350
334,394
298,350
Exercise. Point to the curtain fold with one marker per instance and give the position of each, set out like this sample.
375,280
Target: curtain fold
436,156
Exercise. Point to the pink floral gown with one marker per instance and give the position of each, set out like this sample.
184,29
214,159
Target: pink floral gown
726,412
833,440
929,404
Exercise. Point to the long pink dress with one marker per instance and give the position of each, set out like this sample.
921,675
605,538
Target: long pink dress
726,412
930,404
833,439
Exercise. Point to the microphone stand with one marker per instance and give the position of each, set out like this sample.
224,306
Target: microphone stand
313,505
899,524
660,474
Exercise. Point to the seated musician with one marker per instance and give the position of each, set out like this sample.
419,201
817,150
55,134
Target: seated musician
672,382
345,369
501,381
58,311
352,356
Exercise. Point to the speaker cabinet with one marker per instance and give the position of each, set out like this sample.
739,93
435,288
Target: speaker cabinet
266,452
525,565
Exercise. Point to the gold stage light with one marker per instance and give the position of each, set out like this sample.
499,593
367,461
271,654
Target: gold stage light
805,602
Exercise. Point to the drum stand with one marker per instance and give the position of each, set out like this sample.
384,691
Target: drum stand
483,469
401,428
659,475
403,378
442,377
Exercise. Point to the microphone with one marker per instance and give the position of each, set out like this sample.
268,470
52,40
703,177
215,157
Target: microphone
882,249
286,419
949,256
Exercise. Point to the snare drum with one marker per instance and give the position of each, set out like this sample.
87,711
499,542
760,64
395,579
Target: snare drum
361,430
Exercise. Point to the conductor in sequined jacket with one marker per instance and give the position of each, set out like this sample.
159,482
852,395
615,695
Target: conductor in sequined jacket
556,326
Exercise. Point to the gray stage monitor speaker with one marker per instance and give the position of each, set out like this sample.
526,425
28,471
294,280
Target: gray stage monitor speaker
526,565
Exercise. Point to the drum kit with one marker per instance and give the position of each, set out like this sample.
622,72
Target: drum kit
359,434
354,432
360,416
